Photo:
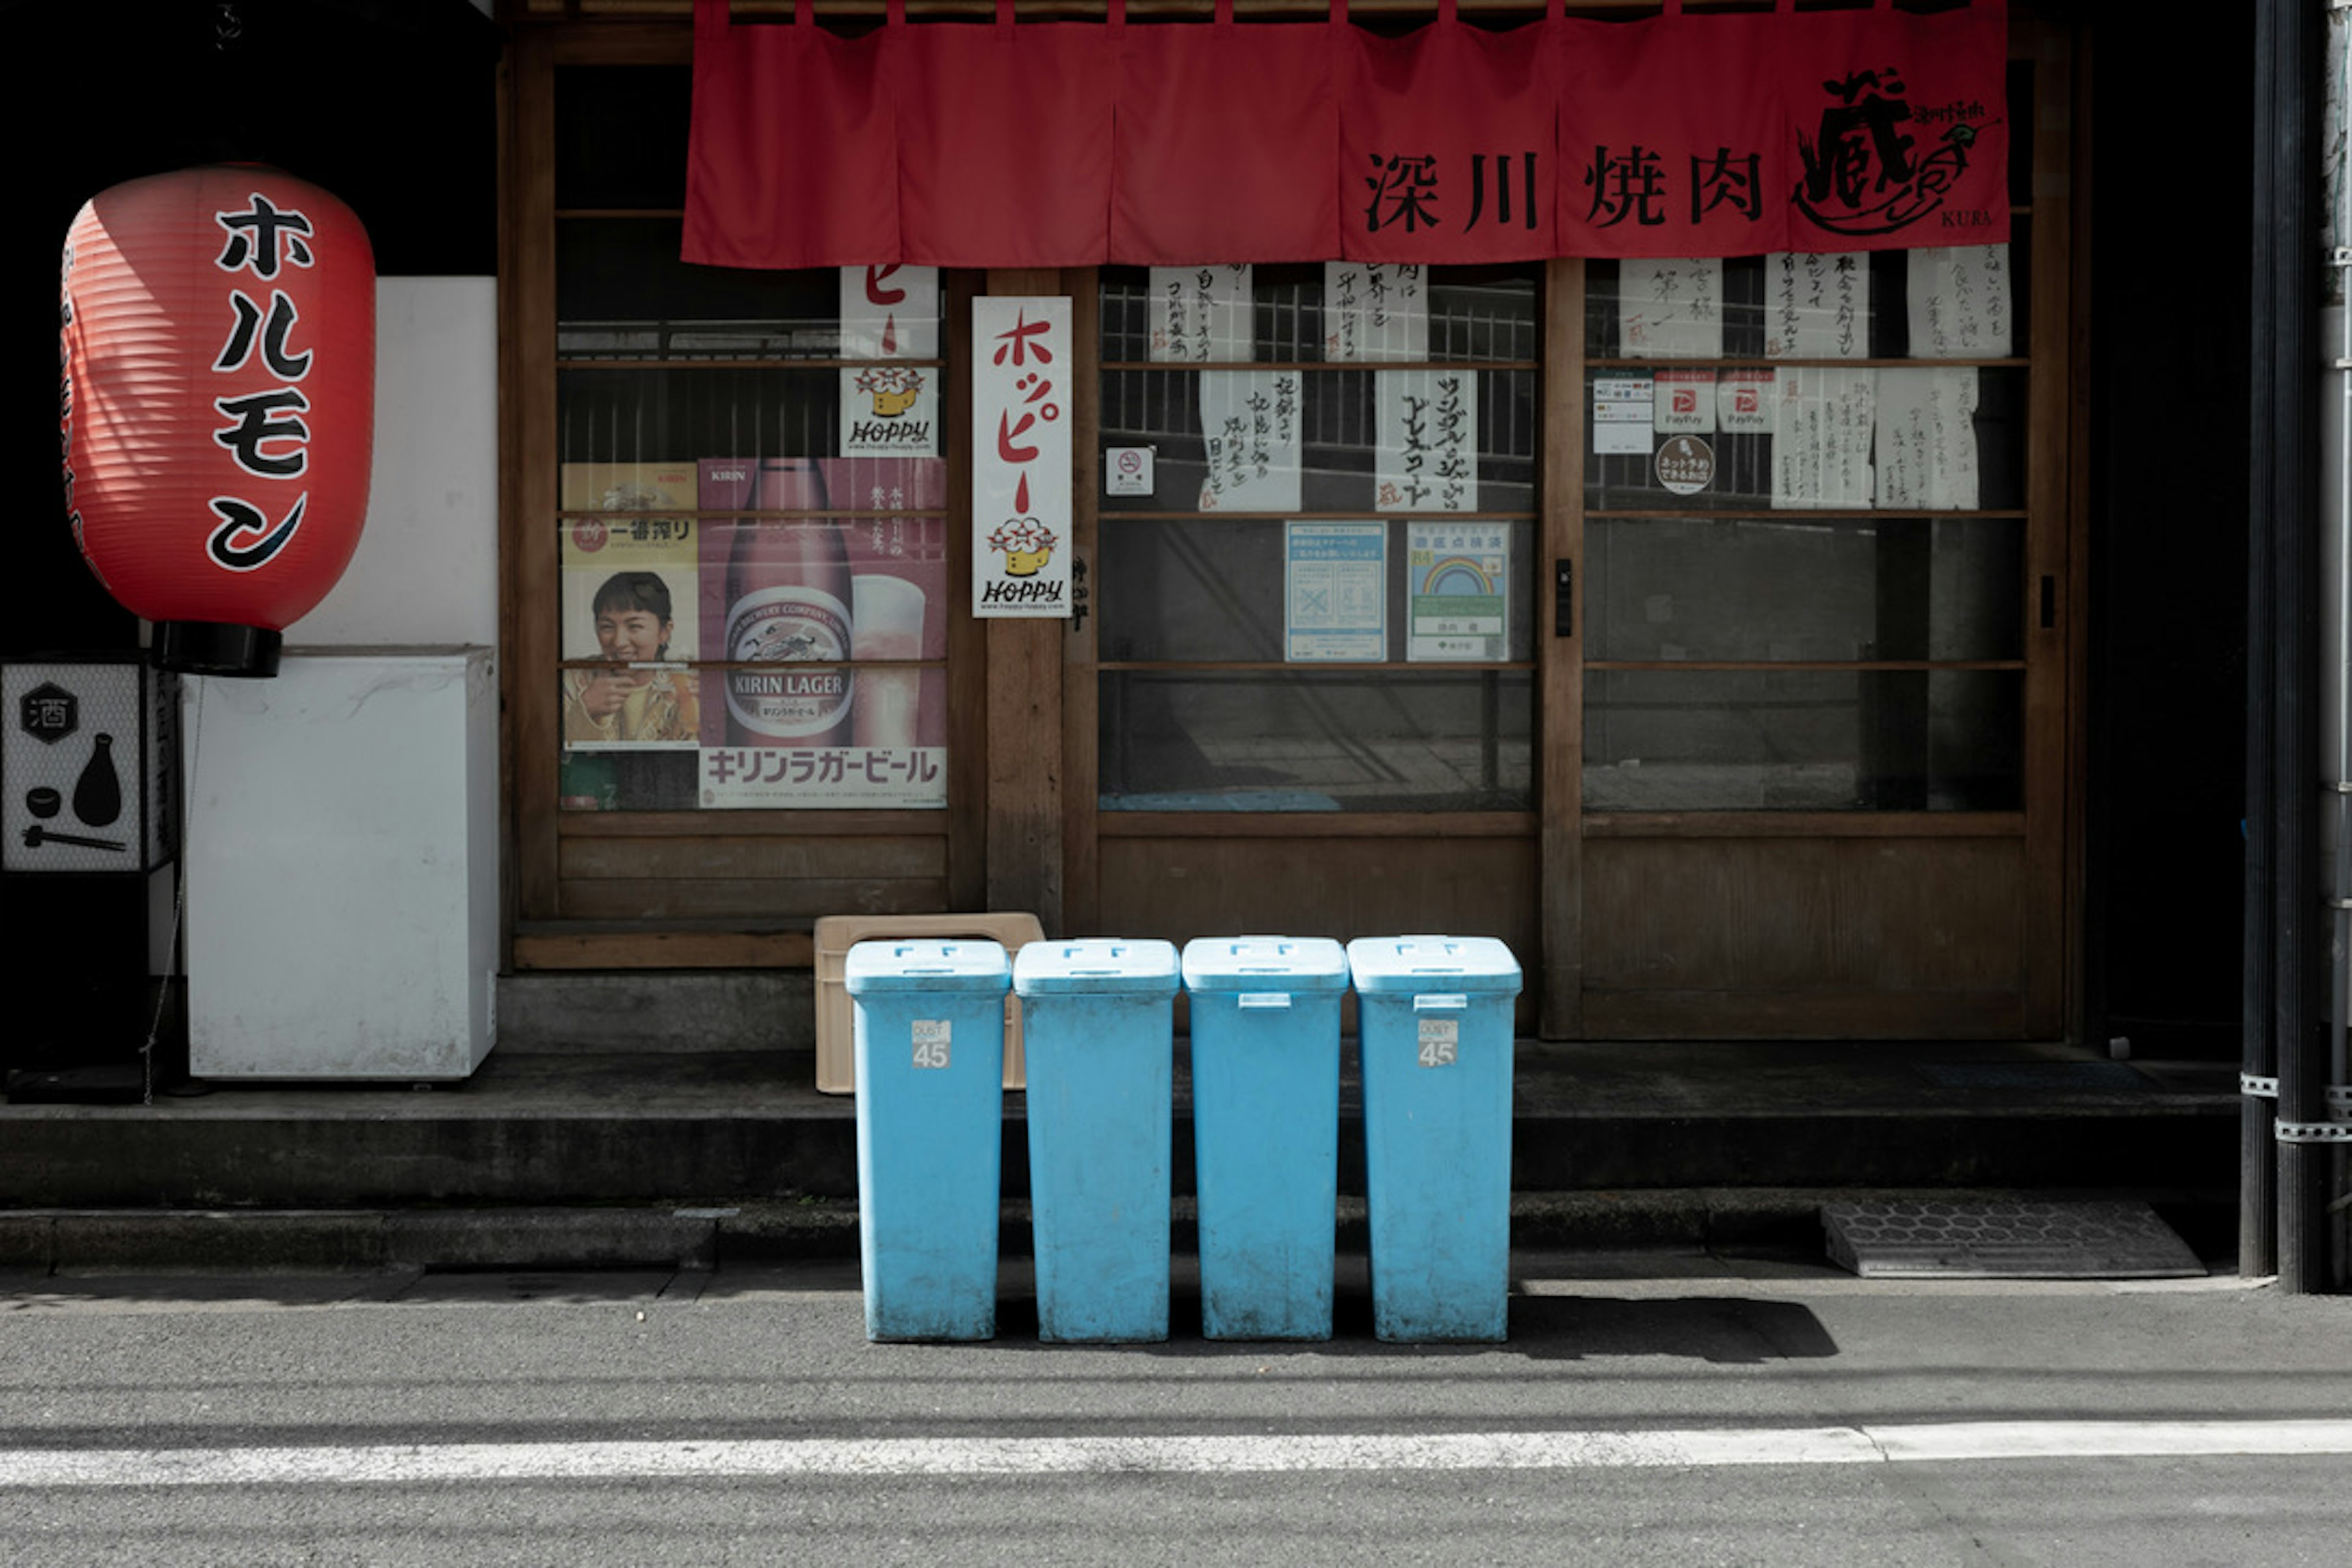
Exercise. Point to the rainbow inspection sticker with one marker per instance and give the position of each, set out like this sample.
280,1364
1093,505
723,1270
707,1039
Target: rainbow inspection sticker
1460,591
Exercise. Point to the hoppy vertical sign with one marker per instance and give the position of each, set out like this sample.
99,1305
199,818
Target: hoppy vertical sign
1021,456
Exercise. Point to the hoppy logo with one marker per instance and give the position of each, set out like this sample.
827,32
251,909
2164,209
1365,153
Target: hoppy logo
1025,543
893,390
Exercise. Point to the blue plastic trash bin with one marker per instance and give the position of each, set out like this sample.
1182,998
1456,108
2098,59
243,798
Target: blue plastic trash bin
1097,1026
1265,1130
930,1048
1434,1016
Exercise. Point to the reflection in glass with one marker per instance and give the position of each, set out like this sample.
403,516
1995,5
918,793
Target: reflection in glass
1803,740
1804,589
1215,591
672,417
622,293
1267,741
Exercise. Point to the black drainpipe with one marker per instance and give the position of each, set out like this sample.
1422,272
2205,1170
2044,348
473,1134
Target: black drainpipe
2287,969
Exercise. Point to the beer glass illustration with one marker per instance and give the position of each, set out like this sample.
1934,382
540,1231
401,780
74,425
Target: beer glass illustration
888,614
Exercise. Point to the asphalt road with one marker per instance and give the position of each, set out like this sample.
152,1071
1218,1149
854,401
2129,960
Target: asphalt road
1659,1407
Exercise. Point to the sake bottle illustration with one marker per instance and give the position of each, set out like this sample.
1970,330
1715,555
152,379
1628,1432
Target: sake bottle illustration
788,603
97,794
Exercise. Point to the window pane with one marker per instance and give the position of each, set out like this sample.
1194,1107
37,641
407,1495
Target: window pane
1804,589
1803,740
672,417
623,293
621,135
1282,741
1216,591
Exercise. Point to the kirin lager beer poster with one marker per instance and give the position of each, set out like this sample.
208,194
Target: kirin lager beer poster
828,606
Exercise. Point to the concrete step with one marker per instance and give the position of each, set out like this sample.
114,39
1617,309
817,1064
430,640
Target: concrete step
729,1128
43,1242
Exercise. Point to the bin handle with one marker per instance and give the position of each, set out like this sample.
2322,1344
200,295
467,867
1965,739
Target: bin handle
1441,1002
1270,999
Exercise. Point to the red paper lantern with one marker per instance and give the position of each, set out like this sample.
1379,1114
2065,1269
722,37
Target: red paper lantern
219,403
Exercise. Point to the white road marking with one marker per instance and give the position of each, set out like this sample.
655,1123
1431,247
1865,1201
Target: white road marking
405,1464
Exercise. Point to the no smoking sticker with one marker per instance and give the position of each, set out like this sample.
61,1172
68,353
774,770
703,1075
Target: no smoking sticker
1127,471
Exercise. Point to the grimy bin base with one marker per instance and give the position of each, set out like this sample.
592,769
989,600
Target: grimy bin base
1265,1130
1098,1019
929,1060
1435,1022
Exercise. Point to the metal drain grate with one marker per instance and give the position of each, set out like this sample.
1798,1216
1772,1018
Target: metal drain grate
2035,1075
1961,1238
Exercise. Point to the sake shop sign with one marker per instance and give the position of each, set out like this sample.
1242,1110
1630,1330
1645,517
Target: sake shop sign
1022,455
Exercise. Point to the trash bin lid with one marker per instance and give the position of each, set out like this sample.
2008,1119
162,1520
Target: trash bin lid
926,964
1394,964
1265,964
1096,965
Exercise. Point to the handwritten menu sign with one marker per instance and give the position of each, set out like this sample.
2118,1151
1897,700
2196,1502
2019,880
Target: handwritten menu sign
1926,443
1823,421
1670,309
1428,434
1816,306
1202,315
1249,419
1960,300
1374,311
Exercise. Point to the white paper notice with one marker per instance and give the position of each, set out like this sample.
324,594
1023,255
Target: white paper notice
1743,401
1250,421
1926,443
1959,298
1373,311
1622,414
1429,440
1202,315
1686,402
1822,438
1670,309
1816,307
890,313
1335,592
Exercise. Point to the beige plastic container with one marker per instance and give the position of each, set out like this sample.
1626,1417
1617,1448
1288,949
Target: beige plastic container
836,1055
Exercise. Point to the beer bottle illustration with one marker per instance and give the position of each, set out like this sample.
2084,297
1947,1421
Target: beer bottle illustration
788,604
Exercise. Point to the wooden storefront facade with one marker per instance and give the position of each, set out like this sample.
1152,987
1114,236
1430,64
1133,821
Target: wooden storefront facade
1738,770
